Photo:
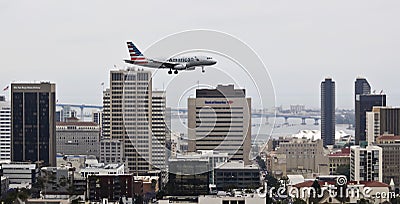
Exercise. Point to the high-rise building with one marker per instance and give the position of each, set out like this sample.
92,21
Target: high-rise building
5,130
328,111
159,130
97,117
33,126
382,121
112,151
364,104
365,163
130,116
361,87
105,125
78,138
390,145
220,119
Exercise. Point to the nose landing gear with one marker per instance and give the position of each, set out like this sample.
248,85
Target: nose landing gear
176,72
203,70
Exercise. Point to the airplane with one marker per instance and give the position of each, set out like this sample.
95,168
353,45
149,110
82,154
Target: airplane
179,63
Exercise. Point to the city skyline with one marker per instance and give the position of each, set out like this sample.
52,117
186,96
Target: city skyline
67,49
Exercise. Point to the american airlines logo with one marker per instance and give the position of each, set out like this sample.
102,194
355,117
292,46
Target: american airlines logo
218,102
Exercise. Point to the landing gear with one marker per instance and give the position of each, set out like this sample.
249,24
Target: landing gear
170,72
203,70
176,72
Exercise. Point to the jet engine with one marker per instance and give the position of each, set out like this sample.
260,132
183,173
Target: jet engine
179,67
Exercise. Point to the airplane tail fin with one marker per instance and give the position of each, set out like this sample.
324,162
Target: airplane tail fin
136,55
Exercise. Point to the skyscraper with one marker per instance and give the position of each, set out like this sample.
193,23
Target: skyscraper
105,123
33,125
159,129
383,121
364,104
220,119
5,129
328,111
130,116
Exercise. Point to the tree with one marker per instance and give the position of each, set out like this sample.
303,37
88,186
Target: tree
299,201
261,163
314,198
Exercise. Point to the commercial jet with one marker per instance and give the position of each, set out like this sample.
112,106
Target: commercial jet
178,63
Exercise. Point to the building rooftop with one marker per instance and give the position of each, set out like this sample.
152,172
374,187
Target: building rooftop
237,165
77,124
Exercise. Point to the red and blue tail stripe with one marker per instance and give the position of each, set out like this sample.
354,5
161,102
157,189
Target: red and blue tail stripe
135,54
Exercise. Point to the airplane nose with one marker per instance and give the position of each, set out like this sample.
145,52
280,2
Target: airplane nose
213,62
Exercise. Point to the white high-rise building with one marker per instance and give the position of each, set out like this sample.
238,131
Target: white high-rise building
159,130
105,122
5,130
130,116
366,163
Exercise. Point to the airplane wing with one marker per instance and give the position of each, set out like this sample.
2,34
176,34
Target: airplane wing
166,64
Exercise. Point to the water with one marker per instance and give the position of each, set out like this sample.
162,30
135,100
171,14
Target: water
261,130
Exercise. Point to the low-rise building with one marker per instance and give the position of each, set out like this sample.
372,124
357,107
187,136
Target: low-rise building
114,188
303,155
20,174
103,169
188,176
77,138
276,164
237,175
340,158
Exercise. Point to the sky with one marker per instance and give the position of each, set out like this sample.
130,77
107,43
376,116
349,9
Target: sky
75,43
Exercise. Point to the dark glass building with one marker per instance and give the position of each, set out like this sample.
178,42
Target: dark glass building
33,128
364,104
328,111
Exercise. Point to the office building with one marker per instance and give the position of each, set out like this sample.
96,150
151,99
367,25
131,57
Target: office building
382,121
220,119
366,163
328,111
303,155
364,104
390,145
214,159
112,151
105,124
361,87
188,176
5,130
33,128
130,116
159,130
77,138
237,175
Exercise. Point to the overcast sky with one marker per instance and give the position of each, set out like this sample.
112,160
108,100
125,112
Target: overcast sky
76,43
